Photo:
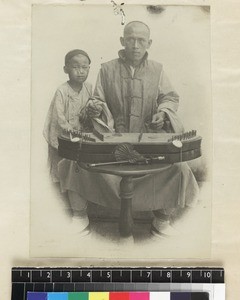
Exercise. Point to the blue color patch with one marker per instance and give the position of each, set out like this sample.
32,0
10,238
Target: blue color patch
57,296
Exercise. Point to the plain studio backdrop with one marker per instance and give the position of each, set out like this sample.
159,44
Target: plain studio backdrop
181,42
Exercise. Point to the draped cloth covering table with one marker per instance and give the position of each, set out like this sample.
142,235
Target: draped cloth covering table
127,173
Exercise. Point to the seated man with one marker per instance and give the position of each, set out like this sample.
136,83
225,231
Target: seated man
140,98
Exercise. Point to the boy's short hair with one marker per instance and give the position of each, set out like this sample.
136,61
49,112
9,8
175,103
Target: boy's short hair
75,52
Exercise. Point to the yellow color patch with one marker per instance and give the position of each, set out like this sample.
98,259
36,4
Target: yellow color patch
99,296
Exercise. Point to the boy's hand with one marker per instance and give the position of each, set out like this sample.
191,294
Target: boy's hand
94,108
158,120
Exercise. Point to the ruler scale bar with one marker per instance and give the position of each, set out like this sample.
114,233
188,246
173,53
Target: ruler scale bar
196,275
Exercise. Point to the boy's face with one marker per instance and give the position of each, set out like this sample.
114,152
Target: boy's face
77,68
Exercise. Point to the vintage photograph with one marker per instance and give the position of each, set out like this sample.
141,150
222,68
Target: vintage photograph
121,131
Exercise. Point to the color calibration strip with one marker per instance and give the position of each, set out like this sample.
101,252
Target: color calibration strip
119,296
74,282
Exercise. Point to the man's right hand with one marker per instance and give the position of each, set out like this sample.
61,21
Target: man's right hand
94,108
158,120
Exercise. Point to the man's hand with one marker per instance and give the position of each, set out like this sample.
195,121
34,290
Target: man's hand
94,108
158,120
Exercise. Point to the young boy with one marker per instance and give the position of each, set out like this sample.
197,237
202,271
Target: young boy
65,113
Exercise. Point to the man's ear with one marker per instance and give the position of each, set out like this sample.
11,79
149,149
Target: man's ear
149,44
65,69
122,41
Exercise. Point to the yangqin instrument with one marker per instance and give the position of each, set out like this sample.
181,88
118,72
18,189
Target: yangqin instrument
129,148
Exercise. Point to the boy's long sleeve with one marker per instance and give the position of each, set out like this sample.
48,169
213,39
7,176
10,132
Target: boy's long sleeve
59,105
55,120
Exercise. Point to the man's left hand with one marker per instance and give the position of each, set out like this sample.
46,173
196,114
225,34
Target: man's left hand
158,120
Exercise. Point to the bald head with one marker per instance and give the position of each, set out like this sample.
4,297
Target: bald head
136,41
136,25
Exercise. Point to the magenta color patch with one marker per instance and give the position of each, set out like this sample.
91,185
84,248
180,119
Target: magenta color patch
139,296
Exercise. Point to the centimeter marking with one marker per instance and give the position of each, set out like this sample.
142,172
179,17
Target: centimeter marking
115,275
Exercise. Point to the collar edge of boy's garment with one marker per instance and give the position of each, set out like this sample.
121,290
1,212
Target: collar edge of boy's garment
84,86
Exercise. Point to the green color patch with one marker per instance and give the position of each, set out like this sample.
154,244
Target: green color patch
78,296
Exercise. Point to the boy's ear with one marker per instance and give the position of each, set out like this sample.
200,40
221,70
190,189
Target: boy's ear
65,69
122,41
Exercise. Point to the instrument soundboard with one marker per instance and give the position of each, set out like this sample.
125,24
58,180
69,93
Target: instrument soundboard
95,148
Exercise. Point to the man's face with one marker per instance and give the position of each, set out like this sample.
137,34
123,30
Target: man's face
77,68
136,41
